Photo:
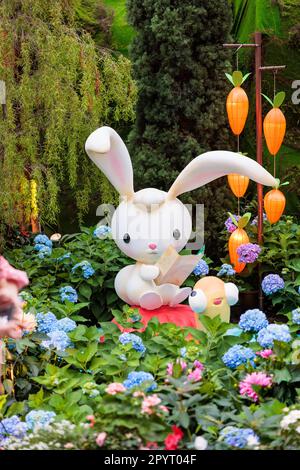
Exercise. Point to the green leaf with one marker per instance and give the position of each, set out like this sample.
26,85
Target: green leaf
244,220
233,219
246,76
282,375
2,401
268,99
279,99
229,78
237,78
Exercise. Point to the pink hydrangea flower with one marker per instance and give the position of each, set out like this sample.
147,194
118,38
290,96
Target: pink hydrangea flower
198,365
114,388
256,378
195,375
149,402
164,408
265,353
100,439
138,393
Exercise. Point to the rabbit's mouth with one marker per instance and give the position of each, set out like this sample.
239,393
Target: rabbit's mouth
152,252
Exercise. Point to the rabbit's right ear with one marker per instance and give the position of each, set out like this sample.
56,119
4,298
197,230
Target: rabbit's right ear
108,151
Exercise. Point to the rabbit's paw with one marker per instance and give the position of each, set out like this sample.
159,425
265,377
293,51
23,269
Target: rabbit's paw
181,295
150,300
149,272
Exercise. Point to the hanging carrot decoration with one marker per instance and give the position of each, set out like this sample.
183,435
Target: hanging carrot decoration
237,103
275,124
274,203
237,238
238,184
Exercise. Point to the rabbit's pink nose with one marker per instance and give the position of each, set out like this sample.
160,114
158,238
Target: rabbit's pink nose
152,246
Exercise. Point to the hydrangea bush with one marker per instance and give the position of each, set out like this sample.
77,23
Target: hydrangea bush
73,383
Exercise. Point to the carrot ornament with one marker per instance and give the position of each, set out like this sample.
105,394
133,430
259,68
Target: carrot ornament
275,124
237,238
237,103
274,203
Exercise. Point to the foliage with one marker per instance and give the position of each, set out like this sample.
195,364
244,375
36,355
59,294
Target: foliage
96,294
55,98
179,67
74,385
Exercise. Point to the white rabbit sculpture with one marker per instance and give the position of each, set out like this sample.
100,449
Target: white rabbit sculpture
147,222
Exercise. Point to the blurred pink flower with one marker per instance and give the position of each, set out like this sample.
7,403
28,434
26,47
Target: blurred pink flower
100,439
27,322
170,366
198,365
195,375
265,353
149,403
114,388
256,378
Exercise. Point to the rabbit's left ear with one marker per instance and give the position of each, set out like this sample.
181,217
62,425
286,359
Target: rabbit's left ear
212,165
231,293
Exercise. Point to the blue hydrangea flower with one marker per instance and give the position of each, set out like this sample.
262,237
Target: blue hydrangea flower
272,332
299,290
66,325
65,256
102,231
201,269
236,437
135,379
272,283
42,240
237,355
39,418
226,270
46,322
58,340
296,316
253,320
45,251
183,352
68,293
135,341
12,426
86,269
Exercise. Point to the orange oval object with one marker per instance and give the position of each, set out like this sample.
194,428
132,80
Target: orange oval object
238,184
274,130
237,106
236,239
274,203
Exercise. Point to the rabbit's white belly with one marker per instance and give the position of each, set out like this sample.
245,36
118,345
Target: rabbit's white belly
130,286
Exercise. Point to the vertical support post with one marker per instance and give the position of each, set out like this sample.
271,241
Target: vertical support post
259,148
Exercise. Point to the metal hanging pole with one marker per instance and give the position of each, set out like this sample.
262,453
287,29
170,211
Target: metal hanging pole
259,131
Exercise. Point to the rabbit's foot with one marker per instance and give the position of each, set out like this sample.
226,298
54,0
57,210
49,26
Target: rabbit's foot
150,300
181,295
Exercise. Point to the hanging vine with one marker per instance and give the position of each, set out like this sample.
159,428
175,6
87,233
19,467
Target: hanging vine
60,86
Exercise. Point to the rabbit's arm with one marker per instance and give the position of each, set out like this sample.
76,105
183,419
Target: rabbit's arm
149,272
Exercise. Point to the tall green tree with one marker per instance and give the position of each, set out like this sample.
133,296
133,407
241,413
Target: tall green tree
60,87
179,64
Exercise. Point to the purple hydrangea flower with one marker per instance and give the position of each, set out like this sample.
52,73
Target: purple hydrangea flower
230,225
272,283
255,220
248,252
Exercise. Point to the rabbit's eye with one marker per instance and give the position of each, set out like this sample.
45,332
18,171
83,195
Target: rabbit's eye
193,293
176,234
126,238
